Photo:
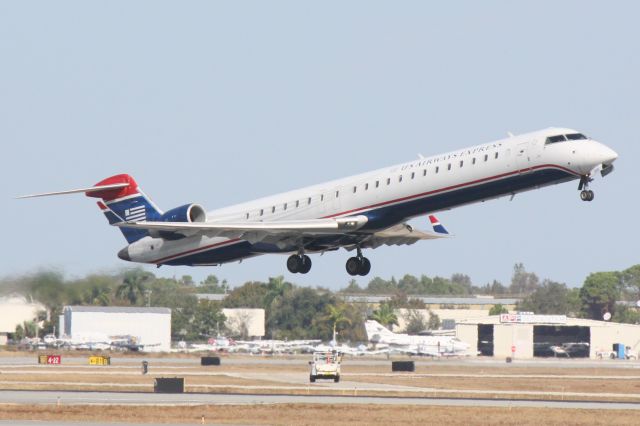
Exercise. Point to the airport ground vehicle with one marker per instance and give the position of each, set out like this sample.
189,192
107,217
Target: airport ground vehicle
325,365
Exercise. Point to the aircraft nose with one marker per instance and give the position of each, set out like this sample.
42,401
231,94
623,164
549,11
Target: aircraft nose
124,254
607,154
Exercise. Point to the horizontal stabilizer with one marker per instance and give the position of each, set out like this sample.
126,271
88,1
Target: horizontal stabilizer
75,191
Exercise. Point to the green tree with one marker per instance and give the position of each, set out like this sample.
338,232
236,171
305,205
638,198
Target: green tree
599,294
631,280
550,298
352,287
626,315
498,309
336,315
434,321
211,285
523,282
300,314
132,287
385,315
415,321
250,295
208,319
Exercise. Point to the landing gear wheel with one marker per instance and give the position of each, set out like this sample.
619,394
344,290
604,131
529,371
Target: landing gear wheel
299,263
306,264
587,195
353,266
294,264
365,267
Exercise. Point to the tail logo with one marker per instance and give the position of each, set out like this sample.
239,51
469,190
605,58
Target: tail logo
135,214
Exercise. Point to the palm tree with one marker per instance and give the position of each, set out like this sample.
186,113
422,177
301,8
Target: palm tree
132,286
385,315
336,314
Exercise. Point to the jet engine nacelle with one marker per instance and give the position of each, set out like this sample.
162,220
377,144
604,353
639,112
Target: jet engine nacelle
186,213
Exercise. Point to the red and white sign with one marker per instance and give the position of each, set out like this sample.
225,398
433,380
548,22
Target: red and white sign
54,359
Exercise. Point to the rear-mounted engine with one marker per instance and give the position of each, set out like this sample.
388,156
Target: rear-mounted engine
186,213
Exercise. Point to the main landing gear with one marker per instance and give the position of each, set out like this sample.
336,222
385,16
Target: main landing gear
358,265
299,263
585,193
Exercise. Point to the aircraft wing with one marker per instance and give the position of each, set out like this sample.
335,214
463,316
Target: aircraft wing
403,233
255,231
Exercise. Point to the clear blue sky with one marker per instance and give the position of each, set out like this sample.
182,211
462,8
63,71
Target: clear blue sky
218,103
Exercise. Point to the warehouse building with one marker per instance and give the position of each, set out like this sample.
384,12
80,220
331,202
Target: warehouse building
148,328
527,336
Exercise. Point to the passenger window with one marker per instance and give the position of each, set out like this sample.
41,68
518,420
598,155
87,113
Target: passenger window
261,212
413,174
297,203
285,206
461,163
424,172
355,188
377,184
337,194
449,166
388,181
473,160
486,157
496,156
273,209
366,186
321,197
437,169
309,200
400,178
247,215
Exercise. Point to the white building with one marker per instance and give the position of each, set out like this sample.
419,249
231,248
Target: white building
15,310
151,327
245,322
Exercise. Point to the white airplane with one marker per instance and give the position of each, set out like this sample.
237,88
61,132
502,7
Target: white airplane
358,212
416,345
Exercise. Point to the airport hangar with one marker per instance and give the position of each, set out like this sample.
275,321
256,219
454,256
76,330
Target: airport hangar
525,336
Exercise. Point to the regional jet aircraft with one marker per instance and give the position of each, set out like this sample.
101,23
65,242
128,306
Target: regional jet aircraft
359,212
416,345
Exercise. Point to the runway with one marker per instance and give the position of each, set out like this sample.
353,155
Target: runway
131,398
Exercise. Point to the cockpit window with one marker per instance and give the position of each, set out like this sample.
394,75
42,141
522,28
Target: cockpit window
554,139
576,136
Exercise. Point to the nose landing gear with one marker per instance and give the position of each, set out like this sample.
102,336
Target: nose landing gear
585,193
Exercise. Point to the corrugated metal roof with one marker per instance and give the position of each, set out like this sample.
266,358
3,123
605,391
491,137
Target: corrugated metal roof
118,309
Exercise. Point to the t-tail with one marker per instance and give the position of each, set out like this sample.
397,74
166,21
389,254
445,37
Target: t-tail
121,201
125,204
376,331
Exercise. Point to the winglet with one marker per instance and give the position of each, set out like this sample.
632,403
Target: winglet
437,226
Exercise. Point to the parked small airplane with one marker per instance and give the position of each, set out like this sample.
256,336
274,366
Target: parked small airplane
359,212
415,345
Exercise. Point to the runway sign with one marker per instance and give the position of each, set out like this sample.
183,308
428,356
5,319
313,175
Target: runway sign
100,360
169,385
50,359
403,366
210,360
